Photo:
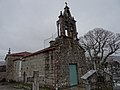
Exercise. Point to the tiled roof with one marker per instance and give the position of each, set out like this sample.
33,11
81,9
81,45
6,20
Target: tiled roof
28,54
41,51
20,54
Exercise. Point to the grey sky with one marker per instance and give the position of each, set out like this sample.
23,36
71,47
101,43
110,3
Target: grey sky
25,24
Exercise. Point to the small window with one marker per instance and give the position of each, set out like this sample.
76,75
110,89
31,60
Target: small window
66,32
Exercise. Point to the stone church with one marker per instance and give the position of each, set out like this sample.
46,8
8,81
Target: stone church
61,64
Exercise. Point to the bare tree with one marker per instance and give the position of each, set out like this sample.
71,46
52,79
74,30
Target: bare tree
100,44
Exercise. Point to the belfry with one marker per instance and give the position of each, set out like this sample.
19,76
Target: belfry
66,25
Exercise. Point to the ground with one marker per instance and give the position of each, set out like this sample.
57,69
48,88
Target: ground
75,88
8,86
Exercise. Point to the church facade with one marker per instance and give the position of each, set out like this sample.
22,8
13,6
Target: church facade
61,64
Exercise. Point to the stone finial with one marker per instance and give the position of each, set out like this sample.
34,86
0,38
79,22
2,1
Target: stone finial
60,12
9,51
66,3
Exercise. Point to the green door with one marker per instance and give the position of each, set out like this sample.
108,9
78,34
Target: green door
73,74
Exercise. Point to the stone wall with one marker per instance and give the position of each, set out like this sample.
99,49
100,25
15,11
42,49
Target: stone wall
31,64
2,72
10,67
68,51
17,70
2,75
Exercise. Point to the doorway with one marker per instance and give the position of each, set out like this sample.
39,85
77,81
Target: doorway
73,74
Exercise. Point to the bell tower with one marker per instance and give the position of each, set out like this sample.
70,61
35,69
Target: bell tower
67,55
66,25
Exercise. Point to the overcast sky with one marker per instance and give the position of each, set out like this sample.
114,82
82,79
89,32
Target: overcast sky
26,24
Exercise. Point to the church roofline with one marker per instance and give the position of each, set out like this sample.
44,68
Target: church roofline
41,51
19,54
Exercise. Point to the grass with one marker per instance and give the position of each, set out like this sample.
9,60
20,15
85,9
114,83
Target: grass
26,86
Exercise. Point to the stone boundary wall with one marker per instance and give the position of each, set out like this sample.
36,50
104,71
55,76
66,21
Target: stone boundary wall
2,75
